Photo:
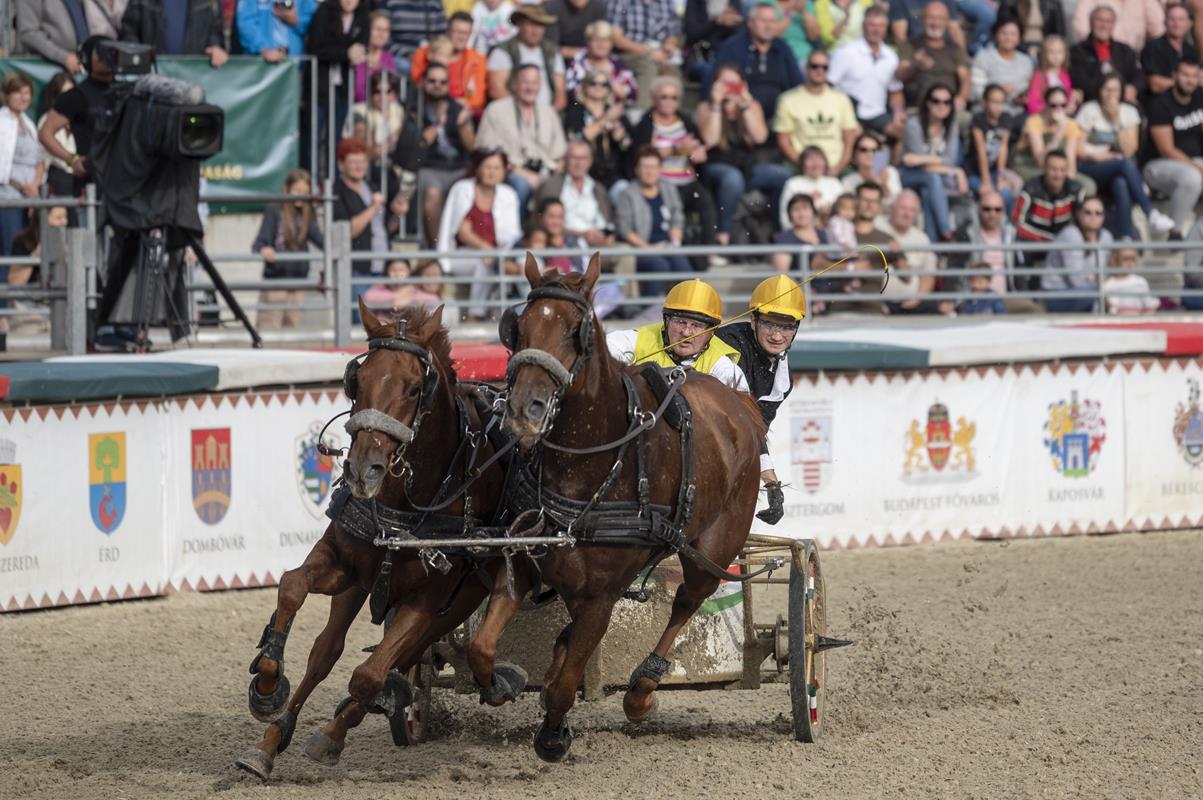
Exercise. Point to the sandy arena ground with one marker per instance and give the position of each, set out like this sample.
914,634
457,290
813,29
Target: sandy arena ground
1054,668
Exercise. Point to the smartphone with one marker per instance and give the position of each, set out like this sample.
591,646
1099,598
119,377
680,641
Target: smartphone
733,87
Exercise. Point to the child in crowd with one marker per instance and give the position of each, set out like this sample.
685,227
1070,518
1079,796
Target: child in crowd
989,146
381,296
1052,70
841,228
1128,293
491,24
286,228
986,302
441,51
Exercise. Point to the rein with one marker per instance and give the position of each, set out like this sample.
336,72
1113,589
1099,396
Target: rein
644,422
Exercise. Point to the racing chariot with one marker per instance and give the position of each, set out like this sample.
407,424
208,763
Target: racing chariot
458,502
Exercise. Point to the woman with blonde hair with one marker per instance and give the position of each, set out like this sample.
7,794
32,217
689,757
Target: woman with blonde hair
286,228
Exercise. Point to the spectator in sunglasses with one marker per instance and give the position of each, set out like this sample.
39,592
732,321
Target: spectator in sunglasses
1051,129
931,153
1077,270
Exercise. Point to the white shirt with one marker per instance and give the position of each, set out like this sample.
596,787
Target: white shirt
581,211
500,60
866,78
824,190
622,347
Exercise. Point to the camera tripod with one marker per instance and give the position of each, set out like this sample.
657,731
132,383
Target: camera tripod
160,292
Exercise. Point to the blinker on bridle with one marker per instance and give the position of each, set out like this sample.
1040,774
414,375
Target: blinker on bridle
371,419
563,377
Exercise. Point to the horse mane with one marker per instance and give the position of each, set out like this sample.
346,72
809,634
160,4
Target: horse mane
439,345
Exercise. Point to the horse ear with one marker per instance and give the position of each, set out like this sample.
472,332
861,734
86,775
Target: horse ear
532,271
372,324
592,272
431,326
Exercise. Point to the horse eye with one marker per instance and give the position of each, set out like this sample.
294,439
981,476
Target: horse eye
414,391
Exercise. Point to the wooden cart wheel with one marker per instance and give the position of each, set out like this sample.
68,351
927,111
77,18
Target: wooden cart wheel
416,718
807,618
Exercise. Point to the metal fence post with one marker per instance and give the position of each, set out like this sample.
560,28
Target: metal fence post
80,244
54,265
344,294
805,259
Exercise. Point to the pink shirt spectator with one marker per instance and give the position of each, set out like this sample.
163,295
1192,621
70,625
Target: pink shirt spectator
1041,82
387,64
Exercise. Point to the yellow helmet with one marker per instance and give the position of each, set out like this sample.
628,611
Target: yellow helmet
696,298
779,295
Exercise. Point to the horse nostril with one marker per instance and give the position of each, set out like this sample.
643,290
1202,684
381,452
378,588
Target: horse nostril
535,410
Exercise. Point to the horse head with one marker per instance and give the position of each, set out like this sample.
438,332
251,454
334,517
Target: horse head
391,389
552,339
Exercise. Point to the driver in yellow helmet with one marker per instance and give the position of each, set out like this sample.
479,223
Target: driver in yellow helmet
763,344
690,308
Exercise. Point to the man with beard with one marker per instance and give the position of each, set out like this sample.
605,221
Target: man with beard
1176,143
438,147
763,344
934,58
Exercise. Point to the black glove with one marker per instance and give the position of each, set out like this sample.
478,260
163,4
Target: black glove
776,510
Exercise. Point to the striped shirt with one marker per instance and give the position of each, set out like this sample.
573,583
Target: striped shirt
645,21
413,22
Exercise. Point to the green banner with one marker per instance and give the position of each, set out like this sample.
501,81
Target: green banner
262,110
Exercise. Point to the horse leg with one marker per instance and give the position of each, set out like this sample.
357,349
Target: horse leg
559,652
589,622
327,649
409,627
498,682
696,586
269,688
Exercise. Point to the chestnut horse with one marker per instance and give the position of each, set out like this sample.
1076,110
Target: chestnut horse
567,403
396,463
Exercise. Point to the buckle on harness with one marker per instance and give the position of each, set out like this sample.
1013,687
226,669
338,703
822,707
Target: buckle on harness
435,559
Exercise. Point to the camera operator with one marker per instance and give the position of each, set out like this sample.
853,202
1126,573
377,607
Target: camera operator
81,108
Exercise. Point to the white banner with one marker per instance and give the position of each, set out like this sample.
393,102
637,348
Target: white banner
1164,432
117,500
876,458
114,500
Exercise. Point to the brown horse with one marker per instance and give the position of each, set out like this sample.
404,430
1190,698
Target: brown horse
402,454
555,398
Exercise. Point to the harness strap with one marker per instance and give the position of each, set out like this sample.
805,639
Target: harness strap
645,423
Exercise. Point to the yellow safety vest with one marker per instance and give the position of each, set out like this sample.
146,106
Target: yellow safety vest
650,338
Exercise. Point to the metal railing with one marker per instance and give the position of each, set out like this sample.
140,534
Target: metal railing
68,262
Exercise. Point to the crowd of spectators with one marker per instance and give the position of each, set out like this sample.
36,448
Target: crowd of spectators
474,126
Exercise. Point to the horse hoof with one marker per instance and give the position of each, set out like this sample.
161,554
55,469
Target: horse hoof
256,762
552,746
640,712
321,748
266,707
508,682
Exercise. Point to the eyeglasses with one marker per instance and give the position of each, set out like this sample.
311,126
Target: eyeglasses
686,324
990,209
816,66
777,327
602,82
936,101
